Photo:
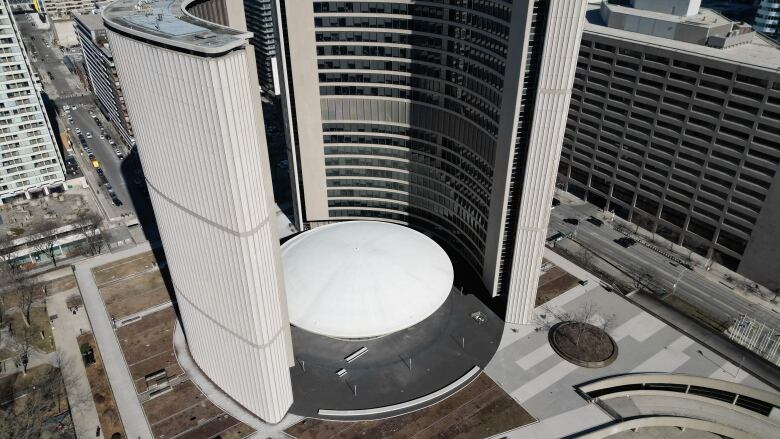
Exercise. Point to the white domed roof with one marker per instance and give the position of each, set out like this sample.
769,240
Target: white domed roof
362,279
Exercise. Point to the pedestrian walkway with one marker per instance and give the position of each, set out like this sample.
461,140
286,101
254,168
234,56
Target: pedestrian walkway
130,409
68,326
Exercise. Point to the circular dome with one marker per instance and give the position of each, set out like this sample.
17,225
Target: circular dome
363,279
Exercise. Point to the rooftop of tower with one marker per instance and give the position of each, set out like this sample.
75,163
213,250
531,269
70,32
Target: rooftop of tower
167,22
658,29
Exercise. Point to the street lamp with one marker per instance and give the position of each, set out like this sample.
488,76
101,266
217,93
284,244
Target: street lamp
677,281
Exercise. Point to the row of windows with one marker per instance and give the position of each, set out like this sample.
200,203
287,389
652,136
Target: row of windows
378,8
415,81
475,153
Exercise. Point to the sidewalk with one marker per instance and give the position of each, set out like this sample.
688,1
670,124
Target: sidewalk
130,409
67,327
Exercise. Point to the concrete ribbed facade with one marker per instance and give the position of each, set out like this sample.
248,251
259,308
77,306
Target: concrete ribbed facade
439,115
561,46
194,105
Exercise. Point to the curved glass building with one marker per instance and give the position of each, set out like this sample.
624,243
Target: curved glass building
444,115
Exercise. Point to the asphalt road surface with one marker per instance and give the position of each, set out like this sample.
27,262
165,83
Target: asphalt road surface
49,60
104,153
714,298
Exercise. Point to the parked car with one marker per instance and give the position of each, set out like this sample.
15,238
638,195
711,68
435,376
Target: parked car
595,221
89,135
625,242
556,202
572,221
78,130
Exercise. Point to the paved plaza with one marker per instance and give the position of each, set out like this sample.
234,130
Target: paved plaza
442,348
526,367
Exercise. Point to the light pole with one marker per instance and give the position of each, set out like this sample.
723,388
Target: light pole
677,281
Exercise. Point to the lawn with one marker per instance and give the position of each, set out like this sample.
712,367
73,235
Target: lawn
39,324
135,294
123,268
481,409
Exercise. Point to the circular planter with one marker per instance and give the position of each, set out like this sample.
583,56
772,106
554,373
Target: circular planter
583,344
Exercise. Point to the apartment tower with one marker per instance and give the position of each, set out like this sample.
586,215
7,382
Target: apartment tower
103,79
191,91
447,116
30,159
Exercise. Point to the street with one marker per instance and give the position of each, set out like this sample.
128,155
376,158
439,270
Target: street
62,88
715,298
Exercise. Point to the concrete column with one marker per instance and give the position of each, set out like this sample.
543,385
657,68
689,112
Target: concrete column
565,23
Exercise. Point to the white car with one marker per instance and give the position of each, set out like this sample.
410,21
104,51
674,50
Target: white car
102,137
110,142
118,152
78,130
66,107
89,135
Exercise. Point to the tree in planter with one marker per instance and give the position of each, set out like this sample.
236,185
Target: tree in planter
44,237
585,315
88,225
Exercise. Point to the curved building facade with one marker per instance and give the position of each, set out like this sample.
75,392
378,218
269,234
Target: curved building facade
444,115
192,95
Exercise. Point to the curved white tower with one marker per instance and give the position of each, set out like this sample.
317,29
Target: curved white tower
192,94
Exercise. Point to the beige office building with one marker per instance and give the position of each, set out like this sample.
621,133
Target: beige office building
675,125
445,116
192,94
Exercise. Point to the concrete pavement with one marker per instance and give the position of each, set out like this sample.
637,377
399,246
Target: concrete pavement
67,327
130,409
528,369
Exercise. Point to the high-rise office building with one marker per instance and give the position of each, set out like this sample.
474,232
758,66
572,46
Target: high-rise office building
29,156
190,88
260,21
674,125
103,79
446,116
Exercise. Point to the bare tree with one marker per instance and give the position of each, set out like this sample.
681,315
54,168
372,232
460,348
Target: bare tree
583,317
16,282
74,301
22,344
7,256
42,399
585,258
641,278
88,225
43,238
